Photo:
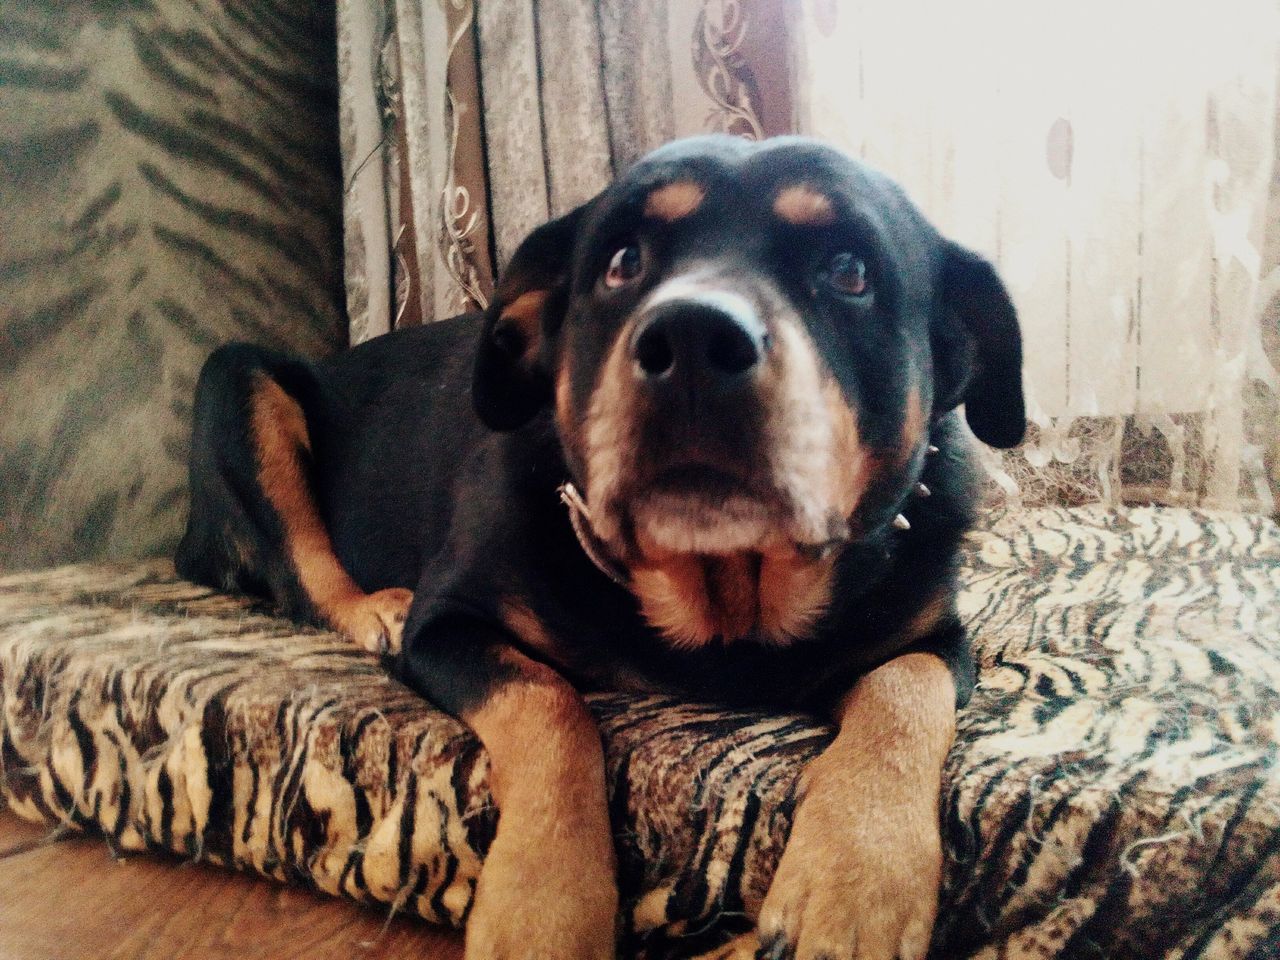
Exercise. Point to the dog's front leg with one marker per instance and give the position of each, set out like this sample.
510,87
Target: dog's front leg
548,889
859,877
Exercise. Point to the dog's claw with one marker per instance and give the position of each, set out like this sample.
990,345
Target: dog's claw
773,948
375,621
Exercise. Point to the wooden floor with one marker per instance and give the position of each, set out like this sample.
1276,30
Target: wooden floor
69,900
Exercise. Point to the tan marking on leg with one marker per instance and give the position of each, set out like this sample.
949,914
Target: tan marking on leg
374,621
804,206
864,859
674,201
547,890
932,612
525,624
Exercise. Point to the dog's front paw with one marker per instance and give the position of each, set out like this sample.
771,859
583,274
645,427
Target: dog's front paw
374,621
543,898
858,881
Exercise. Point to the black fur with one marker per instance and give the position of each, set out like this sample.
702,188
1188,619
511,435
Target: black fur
436,459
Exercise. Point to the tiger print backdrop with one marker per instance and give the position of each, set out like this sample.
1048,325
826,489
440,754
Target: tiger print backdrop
169,180
1113,792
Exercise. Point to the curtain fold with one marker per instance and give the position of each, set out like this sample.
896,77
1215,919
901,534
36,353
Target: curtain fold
634,43
362,35
467,124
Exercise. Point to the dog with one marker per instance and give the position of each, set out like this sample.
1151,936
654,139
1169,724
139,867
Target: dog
704,441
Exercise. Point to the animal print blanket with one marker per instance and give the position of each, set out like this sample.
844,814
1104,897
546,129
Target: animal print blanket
1113,792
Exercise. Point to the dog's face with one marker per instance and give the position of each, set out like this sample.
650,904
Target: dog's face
745,345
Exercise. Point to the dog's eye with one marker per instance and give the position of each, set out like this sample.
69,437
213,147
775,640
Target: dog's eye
847,274
624,267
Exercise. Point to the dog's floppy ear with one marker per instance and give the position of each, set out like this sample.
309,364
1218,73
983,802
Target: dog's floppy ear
977,349
511,380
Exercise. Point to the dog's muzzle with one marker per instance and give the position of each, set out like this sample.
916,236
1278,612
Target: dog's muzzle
697,358
695,346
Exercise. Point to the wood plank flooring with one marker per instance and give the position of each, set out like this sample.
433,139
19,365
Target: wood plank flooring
69,900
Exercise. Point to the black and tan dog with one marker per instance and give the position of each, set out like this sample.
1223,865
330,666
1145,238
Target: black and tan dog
737,368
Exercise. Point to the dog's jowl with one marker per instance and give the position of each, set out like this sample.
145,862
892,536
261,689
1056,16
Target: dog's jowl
705,441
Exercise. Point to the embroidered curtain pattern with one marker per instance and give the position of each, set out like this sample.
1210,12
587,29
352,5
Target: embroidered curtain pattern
466,124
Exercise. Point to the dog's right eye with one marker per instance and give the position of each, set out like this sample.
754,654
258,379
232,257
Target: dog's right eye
847,274
624,267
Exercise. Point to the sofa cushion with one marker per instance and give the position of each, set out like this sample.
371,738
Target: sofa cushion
169,181
1113,790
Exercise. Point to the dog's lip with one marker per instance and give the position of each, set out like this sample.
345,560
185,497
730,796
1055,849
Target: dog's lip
700,480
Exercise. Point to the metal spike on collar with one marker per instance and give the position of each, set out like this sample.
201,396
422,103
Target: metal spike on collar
932,448
901,522
923,490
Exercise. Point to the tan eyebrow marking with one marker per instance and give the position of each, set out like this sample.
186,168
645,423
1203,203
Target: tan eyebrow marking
804,206
674,200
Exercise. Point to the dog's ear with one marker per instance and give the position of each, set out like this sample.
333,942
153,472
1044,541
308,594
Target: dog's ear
511,380
977,349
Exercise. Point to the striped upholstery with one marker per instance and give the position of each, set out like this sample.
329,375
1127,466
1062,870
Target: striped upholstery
169,182
1113,792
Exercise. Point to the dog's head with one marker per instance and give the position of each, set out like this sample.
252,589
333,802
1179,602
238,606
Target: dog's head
744,346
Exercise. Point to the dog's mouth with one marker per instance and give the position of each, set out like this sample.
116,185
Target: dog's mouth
713,554
767,465
697,508
698,482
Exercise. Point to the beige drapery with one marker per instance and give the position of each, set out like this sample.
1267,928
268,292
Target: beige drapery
1116,161
466,124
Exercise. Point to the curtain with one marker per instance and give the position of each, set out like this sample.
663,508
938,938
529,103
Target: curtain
1114,160
466,124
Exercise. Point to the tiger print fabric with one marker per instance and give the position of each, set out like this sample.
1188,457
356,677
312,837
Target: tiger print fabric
169,181
1113,791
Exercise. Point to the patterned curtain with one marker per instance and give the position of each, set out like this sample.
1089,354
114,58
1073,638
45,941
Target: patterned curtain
1120,177
465,124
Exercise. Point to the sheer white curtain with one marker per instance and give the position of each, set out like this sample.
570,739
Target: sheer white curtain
1115,160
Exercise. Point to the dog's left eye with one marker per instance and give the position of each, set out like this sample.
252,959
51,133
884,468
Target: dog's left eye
624,267
847,274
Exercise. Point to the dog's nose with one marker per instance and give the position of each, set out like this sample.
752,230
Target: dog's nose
716,340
